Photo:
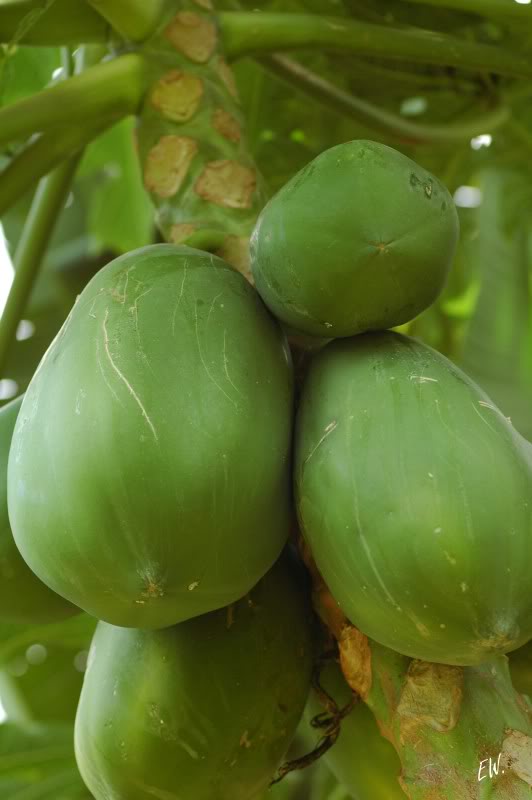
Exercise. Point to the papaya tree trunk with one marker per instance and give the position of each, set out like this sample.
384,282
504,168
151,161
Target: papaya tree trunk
191,141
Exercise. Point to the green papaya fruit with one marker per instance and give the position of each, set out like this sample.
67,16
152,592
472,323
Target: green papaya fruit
361,758
360,239
24,599
205,709
414,494
149,476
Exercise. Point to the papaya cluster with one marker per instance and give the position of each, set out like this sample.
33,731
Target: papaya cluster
157,464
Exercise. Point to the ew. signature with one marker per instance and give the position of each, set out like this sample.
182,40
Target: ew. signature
489,768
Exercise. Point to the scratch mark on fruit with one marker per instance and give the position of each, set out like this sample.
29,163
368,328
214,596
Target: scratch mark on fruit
193,585
121,296
100,366
134,309
124,380
205,364
487,405
328,430
484,420
211,307
423,379
377,574
449,558
226,367
179,298
79,399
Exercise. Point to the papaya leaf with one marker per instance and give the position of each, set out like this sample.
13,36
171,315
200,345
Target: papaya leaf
29,20
37,763
26,70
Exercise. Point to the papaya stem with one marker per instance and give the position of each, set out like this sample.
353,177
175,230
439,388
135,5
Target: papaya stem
116,87
66,22
47,204
246,33
135,20
367,113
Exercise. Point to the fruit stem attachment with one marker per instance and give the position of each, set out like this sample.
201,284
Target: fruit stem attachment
367,113
246,33
135,20
112,88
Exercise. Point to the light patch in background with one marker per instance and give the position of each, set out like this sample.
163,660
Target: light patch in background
36,654
484,140
7,271
8,389
25,330
468,197
413,106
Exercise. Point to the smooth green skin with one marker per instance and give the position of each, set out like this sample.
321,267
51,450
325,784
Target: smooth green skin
149,472
360,239
414,494
24,598
361,758
203,710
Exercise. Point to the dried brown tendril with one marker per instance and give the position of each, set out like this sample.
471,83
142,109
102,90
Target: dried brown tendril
328,722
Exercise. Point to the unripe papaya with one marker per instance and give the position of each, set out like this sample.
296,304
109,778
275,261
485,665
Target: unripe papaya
24,598
149,473
360,239
414,493
205,709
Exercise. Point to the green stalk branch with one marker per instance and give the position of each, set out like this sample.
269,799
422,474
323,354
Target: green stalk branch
116,87
66,22
364,112
47,204
41,156
246,33
484,8
135,20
